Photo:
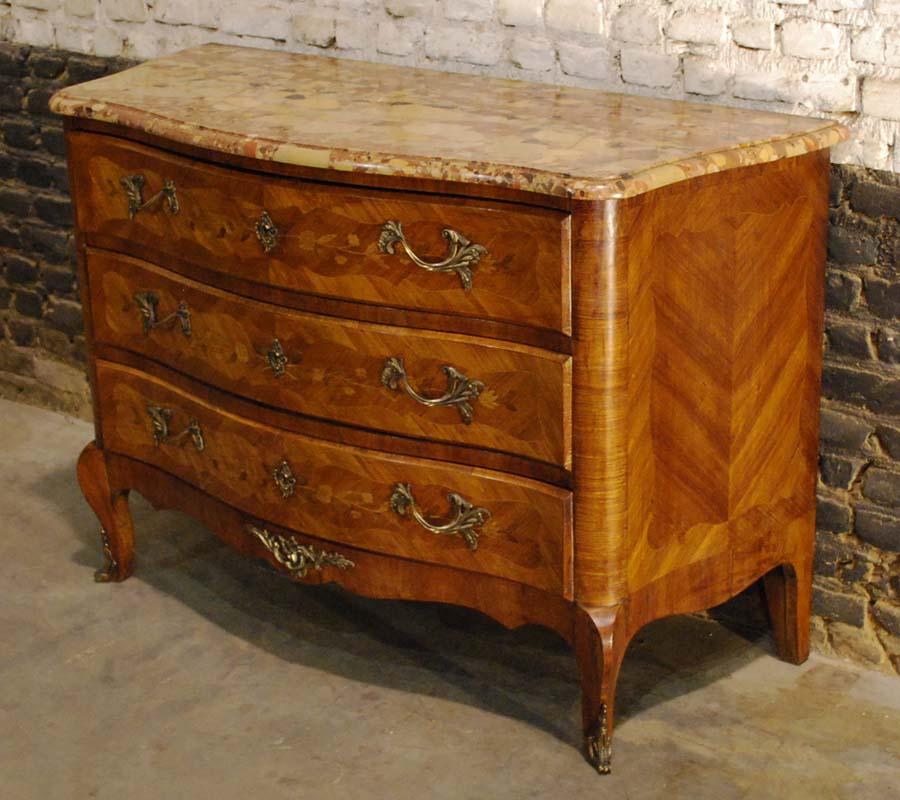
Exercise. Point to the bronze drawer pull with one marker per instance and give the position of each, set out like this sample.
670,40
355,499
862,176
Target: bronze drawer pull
134,191
461,258
277,358
460,389
147,303
284,479
266,232
159,419
467,517
298,558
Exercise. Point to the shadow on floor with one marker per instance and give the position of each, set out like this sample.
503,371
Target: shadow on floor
454,653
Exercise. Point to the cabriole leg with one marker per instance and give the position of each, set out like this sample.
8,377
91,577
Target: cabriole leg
600,644
111,508
788,590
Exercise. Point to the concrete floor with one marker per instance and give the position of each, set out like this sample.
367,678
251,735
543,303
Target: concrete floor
206,676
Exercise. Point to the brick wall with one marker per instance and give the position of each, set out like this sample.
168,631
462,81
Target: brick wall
840,58
836,58
41,327
858,544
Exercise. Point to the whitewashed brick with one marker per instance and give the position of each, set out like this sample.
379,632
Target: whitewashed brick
74,37
108,41
457,43
575,16
533,53
881,98
254,18
177,37
810,39
40,5
868,45
842,5
892,48
32,27
398,37
875,155
204,13
862,148
585,62
856,36
758,85
80,8
754,34
126,10
704,76
408,8
637,24
353,33
698,28
821,92
521,12
469,10
316,30
144,43
648,68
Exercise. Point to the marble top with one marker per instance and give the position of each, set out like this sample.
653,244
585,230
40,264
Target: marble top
375,118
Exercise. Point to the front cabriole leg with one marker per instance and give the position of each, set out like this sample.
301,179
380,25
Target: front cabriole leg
111,508
600,642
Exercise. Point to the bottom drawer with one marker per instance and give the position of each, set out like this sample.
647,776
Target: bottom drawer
473,519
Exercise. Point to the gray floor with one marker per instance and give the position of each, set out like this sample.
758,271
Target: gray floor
205,676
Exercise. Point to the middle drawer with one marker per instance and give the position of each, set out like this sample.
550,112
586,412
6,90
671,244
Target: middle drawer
450,388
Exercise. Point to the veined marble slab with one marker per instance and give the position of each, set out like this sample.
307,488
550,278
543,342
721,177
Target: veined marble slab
374,118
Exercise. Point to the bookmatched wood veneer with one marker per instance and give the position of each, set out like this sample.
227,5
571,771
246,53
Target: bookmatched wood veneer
649,343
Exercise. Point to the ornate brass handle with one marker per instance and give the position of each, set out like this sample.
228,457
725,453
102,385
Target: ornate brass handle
134,191
159,419
284,479
277,358
266,232
147,303
461,258
466,516
460,389
295,557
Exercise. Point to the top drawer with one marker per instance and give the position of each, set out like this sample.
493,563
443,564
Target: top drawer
467,257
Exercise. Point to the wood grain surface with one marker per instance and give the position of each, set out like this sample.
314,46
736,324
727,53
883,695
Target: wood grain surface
327,235
334,366
689,440
343,493
373,575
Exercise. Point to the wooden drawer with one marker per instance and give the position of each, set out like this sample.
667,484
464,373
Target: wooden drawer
342,493
337,369
331,241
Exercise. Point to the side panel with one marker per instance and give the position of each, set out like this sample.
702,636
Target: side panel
725,295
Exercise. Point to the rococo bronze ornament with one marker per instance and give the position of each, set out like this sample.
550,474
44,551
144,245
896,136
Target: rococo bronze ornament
266,232
461,390
466,517
277,359
134,191
110,567
147,303
284,479
599,744
159,421
295,557
461,258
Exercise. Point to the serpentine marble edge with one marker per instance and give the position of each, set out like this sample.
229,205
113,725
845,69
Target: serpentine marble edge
376,118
